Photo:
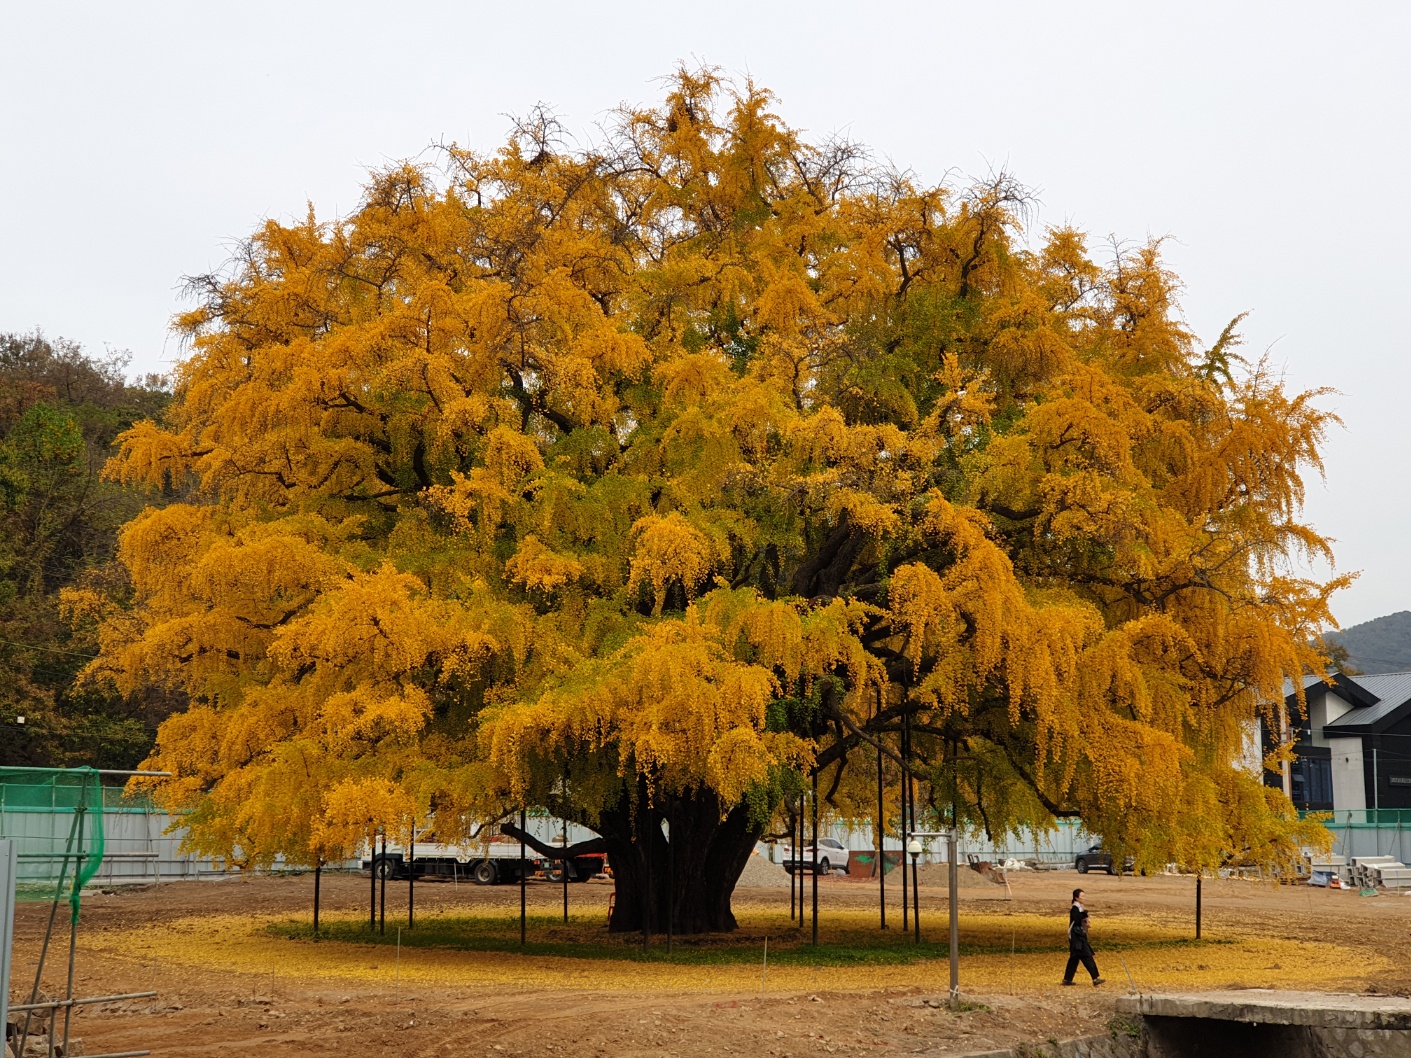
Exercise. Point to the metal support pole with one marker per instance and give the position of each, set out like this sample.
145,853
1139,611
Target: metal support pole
1376,785
372,878
905,890
915,911
383,869
563,868
647,889
797,851
881,839
411,881
1197,905
670,889
915,872
815,858
87,1001
798,855
915,860
952,854
318,879
523,877
81,811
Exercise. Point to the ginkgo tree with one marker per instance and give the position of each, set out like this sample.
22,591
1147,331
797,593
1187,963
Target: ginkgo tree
642,480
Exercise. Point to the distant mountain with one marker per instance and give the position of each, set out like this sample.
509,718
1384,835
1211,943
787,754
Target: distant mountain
1380,645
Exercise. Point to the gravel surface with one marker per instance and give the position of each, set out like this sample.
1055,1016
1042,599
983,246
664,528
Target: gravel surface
760,872
938,874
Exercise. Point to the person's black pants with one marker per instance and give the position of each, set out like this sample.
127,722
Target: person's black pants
1080,954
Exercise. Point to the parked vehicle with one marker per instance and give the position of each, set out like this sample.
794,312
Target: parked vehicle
487,864
580,868
1099,859
832,855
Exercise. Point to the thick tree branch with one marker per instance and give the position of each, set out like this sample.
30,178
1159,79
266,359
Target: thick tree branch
554,852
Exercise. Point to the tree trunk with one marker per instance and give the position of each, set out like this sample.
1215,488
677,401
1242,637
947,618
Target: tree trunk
694,887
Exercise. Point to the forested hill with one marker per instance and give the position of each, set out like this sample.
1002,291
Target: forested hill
60,411
1380,645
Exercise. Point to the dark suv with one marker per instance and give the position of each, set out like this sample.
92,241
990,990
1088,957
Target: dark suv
1099,859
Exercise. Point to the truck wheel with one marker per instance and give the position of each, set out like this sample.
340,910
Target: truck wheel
1082,866
485,873
383,868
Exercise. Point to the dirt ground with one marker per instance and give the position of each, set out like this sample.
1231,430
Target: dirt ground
226,985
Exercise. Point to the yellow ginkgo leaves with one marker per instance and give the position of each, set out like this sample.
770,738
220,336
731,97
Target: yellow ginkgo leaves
638,482
670,551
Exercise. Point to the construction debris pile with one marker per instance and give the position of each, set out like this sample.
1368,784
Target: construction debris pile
1361,872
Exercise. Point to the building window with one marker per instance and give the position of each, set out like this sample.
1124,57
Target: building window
1312,781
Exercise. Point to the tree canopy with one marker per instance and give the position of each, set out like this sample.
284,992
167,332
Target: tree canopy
637,480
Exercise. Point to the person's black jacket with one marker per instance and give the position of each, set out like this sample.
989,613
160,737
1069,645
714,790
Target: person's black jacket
1077,927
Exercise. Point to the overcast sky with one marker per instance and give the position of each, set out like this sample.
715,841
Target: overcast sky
1268,142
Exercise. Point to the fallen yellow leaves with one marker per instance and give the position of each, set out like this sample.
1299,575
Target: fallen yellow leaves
1155,957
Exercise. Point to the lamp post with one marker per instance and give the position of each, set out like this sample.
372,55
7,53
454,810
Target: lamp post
914,847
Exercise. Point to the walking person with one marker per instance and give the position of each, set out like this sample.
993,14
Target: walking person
1080,948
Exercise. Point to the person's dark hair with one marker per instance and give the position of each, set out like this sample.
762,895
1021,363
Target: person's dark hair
1077,893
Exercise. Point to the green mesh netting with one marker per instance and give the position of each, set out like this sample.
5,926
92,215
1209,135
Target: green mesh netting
55,818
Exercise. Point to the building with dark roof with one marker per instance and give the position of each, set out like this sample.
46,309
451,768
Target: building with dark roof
1352,743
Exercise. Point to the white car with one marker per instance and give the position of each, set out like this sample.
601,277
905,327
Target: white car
832,856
